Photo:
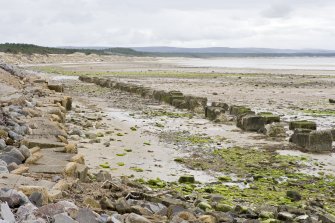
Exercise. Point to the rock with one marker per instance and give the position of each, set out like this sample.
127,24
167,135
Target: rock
54,195
3,163
70,208
25,151
6,213
302,218
85,215
67,103
79,158
63,218
12,197
332,101
204,206
223,207
327,218
266,215
223,105
36,198
215,113
285,216
49,210
303,124
103,175
25,212
175,209
122,206
313,141
40,196
300,137
135,218
293,195
274,130
207,219
252,123
90,202
56,87
320,141
2,144
269,117
239,110
70,169
183,216
3,170
13,135
3,134
71,148
81,172
106,203
12,166
186,179
20,170
16,154
223,217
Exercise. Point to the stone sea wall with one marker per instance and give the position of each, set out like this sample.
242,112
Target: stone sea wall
246,119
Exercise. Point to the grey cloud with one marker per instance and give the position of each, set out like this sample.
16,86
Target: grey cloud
188,23
277,11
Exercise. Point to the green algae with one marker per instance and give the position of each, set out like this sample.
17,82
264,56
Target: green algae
120,164
105,165
136,169
319,112
121,154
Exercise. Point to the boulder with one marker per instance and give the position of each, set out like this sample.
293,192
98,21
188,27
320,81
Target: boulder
269,117
236,110
223,105
332,101
303,124
56,87
196,104
186,179
252,123
320,141
172,95
274,130
215,113
313,141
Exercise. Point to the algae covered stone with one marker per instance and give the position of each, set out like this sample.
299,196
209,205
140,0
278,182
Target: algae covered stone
186,179
302,124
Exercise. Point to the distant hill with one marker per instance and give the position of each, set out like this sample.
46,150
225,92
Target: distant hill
163,51
35,49
227,51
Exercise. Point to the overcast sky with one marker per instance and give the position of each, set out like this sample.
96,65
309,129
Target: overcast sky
183,23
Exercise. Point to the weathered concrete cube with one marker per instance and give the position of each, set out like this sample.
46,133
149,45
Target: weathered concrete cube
303,124
313,141
179,103
320,141
252,123
214,113
300,137
276,130
239,110
158,95
269,117
171,95
56,87
333,133
223,105
196,104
